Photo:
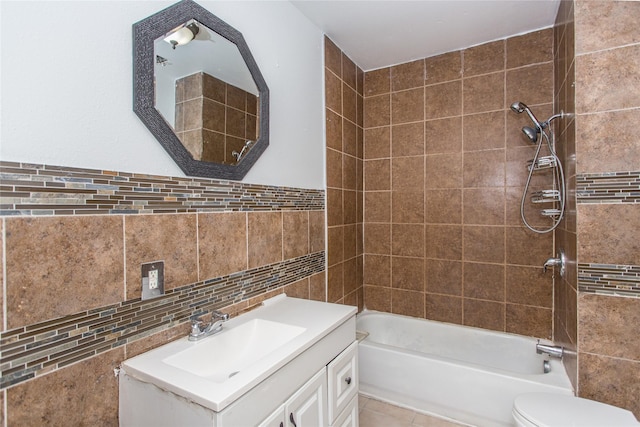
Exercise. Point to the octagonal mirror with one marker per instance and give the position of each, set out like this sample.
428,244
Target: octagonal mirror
199,91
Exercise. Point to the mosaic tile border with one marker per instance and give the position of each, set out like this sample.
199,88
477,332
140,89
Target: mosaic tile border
609,279
614,187
36,349
32,189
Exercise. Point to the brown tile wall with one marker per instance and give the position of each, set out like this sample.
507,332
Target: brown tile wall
607,105
344,150
71,280
444,170
214,118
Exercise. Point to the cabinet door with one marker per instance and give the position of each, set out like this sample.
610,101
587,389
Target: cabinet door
343,380
276,419
348,417
308,407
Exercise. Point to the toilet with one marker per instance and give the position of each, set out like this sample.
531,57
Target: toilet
558,410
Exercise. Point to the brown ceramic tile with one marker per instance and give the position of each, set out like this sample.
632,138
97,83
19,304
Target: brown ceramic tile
378,270
377,111
532,85
484,244
235,124
334,130
349,103
222,244
168,238
377,298
444,308
407,173
349,173
349,138
407,139
443,171
349,207
299,289
516,169
408,206
483,59
377,82
407,273
610,380
475,135
335,245
444,135
317,287
484,93
377,143
333,92
295,234
525,247
82,394
335,283
351,276
443,241
530,286
377,239
443,100
335,212
407,106
236,98
484,169
264,238
377,175
359,80
606,24
349,241
51,258
530,48
484,314
407,303
192,114
316,231
334,168
444,277
407,240
483,281
443,67
332,57
605,235
484,206
348,71
604,326
377,206
443,206
608,141
529,321
407,76
158,339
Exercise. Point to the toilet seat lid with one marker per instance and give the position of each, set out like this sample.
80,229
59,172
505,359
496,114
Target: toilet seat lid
548,409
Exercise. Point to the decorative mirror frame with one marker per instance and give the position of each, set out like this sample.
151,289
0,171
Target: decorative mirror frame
145,32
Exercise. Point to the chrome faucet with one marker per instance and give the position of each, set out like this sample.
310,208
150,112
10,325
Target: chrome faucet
559,261
200,330
551,350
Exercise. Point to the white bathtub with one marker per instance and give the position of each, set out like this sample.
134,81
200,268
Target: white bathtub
466,374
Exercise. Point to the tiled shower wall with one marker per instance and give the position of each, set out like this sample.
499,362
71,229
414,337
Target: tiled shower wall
73,241
344,134
599,50
444,170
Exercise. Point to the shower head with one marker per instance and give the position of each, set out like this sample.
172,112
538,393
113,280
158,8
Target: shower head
519,107
531,133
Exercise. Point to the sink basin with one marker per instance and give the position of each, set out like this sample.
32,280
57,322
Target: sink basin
221,356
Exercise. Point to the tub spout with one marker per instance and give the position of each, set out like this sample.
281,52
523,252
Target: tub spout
551,350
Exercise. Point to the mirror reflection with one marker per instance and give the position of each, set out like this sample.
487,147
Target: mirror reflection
206,93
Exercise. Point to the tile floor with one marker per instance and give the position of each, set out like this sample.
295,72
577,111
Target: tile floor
374,413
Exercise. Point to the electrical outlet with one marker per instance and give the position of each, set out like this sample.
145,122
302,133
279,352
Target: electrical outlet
152,279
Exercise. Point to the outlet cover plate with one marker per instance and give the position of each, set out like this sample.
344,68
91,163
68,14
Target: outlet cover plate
148,292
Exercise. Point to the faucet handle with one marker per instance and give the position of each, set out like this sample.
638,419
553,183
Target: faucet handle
195,327
219,315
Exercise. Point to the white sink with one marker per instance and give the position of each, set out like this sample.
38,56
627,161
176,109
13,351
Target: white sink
216,370
222,356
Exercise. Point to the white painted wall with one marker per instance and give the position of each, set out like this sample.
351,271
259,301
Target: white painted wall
66,87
